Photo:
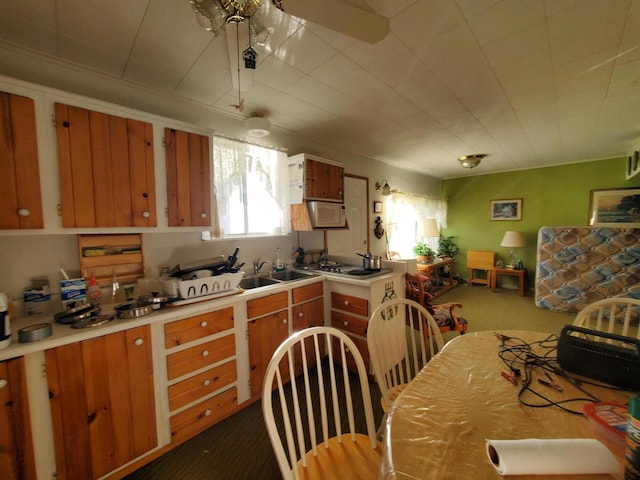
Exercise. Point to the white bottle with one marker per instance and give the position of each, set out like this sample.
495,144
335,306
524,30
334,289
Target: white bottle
5,322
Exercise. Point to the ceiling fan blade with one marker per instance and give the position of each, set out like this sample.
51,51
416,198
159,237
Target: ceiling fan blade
340,17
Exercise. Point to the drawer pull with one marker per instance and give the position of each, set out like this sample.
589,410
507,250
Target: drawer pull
207,412
206,383
346,324
301,315
346,303
205,353
203,323
138,342
146,214
284,320
3,383
203,215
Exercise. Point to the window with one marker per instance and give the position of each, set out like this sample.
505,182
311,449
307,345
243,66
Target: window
404,218
251,185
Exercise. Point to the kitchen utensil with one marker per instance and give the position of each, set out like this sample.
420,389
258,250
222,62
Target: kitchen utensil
33,333
189,267
72,315
90,322
371,262
156,300
133,309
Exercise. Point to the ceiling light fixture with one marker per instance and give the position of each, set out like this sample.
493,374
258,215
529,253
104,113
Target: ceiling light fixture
257,125
384,186
471,161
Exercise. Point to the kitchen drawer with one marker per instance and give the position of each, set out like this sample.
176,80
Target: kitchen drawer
184,331
269,304
193,420
302,294
204,383
351,304
194,358
349,323
362,347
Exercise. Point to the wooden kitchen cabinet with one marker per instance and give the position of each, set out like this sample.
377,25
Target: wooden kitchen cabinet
20,195
188,178
202,372
102,402
16,449
307,311
350,313
268,327
106,169
323,180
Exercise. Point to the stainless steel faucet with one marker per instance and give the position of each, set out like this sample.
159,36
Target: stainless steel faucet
257,265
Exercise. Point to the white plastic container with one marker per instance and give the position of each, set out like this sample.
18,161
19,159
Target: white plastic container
208,286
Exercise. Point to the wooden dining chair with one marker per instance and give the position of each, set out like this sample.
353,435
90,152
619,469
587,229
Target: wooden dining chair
614,315
402,336
311,420
443,313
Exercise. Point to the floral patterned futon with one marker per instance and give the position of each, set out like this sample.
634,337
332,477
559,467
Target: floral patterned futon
577,266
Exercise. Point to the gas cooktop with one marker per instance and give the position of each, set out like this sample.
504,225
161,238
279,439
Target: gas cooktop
345,270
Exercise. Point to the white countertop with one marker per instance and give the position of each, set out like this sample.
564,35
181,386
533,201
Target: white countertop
64,334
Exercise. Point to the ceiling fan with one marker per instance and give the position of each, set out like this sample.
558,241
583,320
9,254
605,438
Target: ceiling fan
335,15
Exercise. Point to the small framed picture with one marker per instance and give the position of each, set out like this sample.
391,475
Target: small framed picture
508,209
377,207
618,208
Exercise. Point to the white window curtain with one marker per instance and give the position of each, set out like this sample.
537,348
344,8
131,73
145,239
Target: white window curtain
251,188
404,216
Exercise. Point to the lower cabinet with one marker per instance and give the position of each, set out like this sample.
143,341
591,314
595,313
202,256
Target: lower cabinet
16,449
102,402
267,328
307,311
202,372
350,313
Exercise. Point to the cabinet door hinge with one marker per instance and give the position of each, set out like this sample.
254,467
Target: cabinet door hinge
164,142
59,209
53,121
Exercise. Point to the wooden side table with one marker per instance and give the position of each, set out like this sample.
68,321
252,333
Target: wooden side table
521,275
431,270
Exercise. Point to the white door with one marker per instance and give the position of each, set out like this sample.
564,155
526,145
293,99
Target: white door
346,242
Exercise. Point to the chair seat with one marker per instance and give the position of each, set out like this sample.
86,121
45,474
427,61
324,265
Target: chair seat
347,460
443,318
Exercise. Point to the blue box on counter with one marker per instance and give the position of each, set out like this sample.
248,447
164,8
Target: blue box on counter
36,302
73,290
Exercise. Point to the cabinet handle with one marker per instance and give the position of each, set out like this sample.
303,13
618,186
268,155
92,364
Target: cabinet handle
3,383
24,212
146,214
203,215
346,324
207,412
205,353
138,342
301,315
206,383
346,302
203,323
284,320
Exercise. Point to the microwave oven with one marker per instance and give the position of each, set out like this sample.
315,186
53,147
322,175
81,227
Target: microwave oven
327,214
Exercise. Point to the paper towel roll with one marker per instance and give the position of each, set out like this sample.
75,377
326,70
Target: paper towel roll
551,457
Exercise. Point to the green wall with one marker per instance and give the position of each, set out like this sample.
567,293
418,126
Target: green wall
551,196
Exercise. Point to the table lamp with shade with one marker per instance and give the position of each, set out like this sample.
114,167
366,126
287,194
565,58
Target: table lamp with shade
513,239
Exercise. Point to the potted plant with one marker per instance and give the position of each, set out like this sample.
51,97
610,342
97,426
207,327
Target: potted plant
423,252
447,247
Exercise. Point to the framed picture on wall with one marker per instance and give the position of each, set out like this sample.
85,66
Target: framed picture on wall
615,208
506,209
377,207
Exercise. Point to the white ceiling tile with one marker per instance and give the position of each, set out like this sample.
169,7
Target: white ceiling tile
505,19
305,51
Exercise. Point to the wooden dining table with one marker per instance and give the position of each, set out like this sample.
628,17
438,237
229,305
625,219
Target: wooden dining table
438,427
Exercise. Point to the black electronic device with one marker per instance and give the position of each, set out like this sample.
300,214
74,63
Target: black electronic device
602,356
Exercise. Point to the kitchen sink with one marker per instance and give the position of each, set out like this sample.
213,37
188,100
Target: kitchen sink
288,275
256,281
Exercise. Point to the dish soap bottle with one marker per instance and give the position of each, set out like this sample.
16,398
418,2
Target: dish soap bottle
93,292
115,288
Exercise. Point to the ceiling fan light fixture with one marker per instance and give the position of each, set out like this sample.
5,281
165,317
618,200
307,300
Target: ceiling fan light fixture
471,161
257,126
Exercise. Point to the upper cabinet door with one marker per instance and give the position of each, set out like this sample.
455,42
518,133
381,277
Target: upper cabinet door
20,197
106,169
188,178
323,181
